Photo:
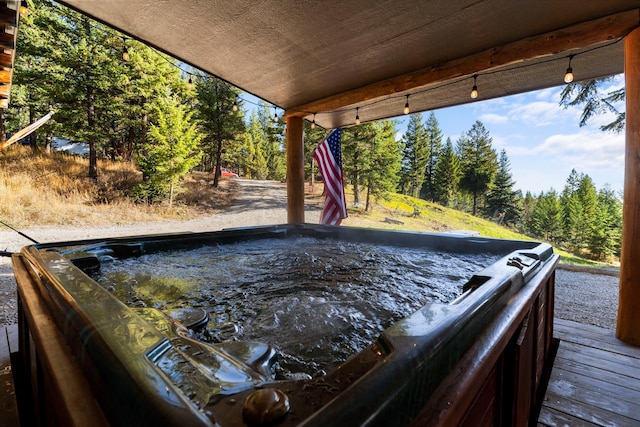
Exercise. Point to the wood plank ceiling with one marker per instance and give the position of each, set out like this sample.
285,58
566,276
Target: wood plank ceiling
327,58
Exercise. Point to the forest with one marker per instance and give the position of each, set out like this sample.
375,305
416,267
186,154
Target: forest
131,103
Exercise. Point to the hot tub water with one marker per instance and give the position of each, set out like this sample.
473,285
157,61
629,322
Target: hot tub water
316,301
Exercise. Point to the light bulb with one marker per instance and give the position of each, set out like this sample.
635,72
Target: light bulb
568,77
235,105
474,89
24,11
190,84
125,54
406,106
357,116
313,123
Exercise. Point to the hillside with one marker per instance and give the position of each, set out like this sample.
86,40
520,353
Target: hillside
52,189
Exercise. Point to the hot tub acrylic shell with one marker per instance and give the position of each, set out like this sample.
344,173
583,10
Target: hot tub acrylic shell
404,376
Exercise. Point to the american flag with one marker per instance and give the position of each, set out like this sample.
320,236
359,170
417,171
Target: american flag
329,159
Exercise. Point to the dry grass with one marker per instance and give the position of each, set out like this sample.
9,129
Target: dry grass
46,189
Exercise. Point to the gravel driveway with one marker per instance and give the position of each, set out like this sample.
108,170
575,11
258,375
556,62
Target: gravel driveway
580,296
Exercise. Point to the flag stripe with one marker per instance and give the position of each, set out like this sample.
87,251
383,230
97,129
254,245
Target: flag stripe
328,156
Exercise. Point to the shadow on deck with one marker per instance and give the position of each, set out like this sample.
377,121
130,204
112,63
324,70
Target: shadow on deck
595,379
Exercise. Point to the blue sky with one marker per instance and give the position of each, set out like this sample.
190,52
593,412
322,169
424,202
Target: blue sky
542,139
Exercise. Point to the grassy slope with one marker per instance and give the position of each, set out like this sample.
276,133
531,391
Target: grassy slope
47,189
434,217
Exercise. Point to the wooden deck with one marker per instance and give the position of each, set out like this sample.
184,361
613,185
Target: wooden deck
595,379
8,404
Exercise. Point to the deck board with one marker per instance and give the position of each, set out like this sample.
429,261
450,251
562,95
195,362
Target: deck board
8,405
595,379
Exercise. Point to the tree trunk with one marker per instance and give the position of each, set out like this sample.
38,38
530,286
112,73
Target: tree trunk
475,203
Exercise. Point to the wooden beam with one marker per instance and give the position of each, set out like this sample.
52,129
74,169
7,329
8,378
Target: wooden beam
295,170
575,37
628,326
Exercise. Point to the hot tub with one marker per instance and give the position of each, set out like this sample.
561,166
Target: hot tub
286,325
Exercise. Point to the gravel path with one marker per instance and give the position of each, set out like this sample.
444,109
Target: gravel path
580,296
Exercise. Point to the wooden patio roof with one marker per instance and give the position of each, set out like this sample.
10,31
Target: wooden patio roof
331,59
328,58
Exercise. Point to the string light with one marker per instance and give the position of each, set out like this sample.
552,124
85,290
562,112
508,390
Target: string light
474,90
24,10
275,114
568,78
125,53
568,75
190,84
235,104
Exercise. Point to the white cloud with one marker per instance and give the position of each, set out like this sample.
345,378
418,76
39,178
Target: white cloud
492,118
541,113
585,150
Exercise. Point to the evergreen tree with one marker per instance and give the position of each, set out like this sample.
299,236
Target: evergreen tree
528,203
434,138
546,217
143,80
385,157
588,94
90,74
254,162
34,64
220,122
478,162
446,175
415,156
606,234
588,199
273,145
312,137
502,202
356,145
172,150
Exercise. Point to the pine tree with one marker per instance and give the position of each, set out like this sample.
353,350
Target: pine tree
446,175
588,94
90,74
478,162
254,164
356,156
606,233
312,137
415,156
172,150
143,79
546,217
220,122
34,64
273,145
502,202
434,138
385,155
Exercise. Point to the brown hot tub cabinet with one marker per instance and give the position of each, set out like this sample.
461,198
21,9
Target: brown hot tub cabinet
89,359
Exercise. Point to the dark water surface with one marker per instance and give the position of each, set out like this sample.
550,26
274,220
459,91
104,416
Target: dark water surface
316,301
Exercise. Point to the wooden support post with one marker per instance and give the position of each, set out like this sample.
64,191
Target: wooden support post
628,326
295,170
